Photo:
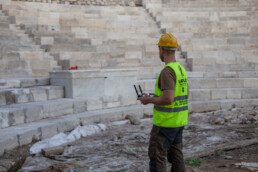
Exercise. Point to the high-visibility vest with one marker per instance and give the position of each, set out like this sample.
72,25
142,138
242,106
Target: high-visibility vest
175,114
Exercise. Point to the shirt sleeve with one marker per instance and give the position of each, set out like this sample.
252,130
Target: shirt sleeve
167,79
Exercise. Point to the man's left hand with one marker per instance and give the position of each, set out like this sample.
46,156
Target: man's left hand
145,99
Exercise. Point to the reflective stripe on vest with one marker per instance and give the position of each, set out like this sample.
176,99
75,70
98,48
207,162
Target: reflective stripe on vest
165,109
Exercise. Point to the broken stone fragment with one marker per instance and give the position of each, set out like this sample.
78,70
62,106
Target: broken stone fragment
53,151
134,119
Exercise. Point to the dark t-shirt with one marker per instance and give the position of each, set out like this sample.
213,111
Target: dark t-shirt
167,79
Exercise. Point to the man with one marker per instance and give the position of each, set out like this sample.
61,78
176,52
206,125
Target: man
170,112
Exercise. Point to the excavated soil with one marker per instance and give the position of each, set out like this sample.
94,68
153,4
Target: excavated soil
219,146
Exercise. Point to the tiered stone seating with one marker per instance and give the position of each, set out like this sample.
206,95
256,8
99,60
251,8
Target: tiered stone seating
92,37
217,35
112,37
31,109
20,57
217,90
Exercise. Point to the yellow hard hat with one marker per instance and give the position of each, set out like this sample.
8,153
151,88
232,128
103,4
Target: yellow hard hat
168,40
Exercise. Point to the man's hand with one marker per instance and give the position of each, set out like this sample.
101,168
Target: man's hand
145,99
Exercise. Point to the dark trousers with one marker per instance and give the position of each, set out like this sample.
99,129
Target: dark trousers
166,142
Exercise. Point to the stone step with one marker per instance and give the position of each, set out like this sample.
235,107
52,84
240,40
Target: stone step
208,83
23,134
28,112
33,94
212,105
23,82
244,74
222,94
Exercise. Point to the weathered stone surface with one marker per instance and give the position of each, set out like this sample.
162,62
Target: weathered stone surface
4,119
56,108
2,99
48,131
42,81
33,113
67,124
53,151
55,92
7,142
79,106
27,83
134,119
22,96
38,94
17,117
28,135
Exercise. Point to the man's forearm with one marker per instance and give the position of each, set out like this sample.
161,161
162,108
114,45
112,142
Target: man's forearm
159,100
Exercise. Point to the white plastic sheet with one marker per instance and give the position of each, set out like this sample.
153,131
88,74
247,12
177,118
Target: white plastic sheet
63,139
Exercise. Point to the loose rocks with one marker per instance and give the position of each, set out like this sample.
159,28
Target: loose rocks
235,116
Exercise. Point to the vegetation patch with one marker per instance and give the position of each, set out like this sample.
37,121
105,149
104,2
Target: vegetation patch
195,162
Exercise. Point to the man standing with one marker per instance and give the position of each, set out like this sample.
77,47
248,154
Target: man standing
170,112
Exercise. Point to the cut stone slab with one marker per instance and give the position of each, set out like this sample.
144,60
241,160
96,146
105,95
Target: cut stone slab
53,151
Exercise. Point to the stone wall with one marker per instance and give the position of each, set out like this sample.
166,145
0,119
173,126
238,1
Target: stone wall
91,2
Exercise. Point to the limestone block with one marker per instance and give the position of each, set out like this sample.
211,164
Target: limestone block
94,104
66,125
195,74
204,106
33,113
138,112
250,93
53,151
211,75
57,108
55,92
31,55
47,41
27,83
149,85
226,57
204,94
249,102
104,116
228,104
48,131
6,83
79,106
199,68
2,98
133,55
96,42
111,104
17,117
218,94
28,135
230,83
21,96
242,67
250,82
9,97
4,119
233,94
8,142
38,94
229,75
42,81
201,83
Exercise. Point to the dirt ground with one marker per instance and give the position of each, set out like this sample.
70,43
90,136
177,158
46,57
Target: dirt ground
218,148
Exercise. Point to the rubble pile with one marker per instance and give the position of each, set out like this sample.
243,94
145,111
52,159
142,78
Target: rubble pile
247,115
